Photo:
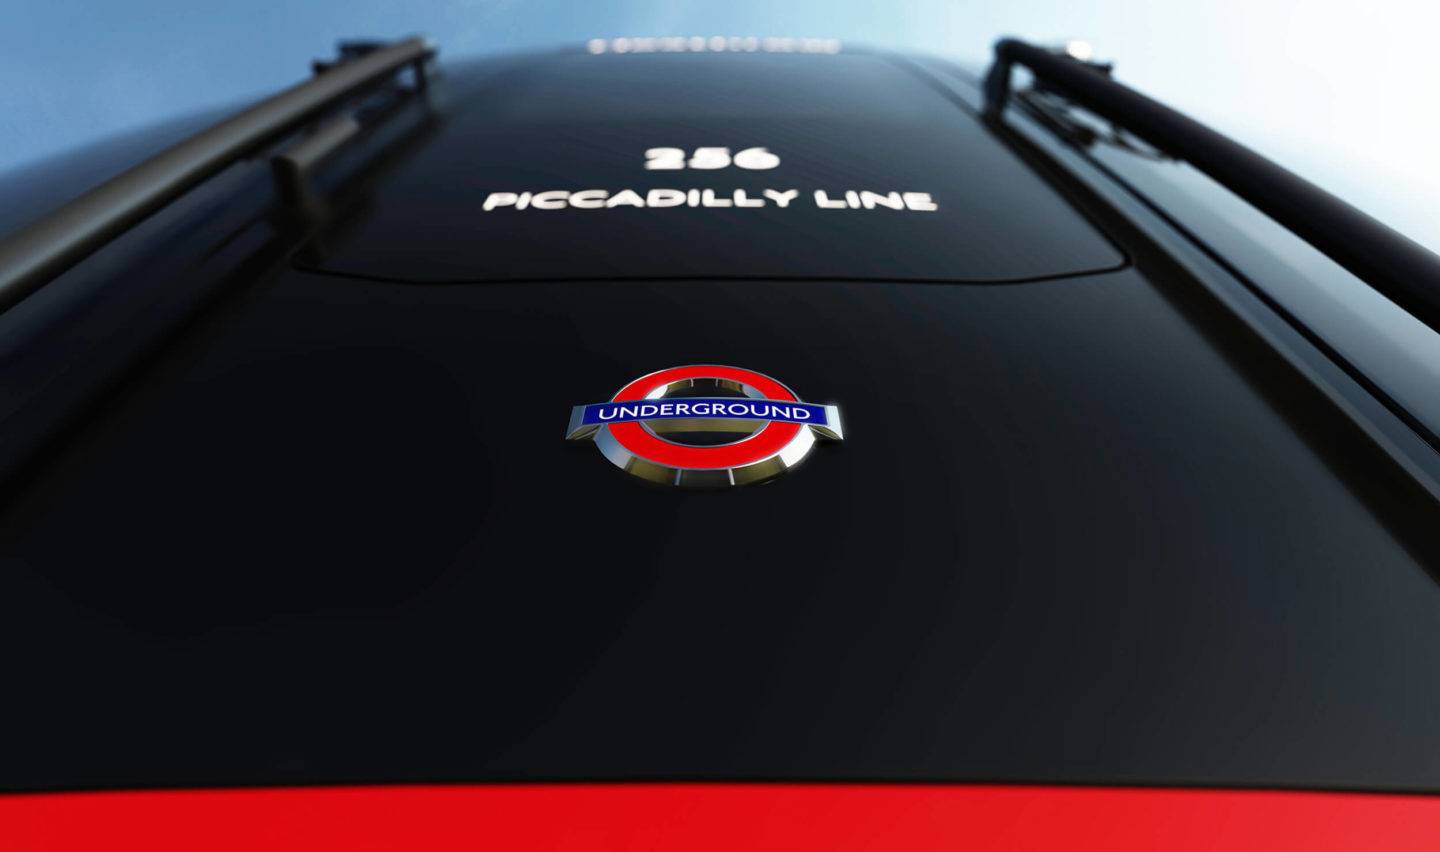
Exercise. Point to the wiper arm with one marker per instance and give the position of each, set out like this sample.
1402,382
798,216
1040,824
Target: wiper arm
1401,269
47,247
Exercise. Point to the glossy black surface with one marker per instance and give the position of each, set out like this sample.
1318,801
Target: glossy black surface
339,537
837,123
1081,530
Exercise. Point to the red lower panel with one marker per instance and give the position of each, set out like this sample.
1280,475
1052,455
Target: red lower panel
728,817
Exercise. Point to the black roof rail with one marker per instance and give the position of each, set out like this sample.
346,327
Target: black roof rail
1401,269
36,253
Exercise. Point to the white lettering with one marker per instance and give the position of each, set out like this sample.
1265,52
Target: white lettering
664,158
710,158
596,199
756,158
890,199
588,199
625,196
743,200
781,199
919,201
499,199
711,44
552,200
664,198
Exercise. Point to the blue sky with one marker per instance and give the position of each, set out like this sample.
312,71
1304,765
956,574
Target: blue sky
1341,92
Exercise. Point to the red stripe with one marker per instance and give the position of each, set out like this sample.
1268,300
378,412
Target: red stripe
764,443
730,817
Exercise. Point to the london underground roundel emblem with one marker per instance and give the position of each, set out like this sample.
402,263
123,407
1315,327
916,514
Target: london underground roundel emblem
705,426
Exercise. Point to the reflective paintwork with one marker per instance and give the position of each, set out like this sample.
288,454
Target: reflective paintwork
1088,529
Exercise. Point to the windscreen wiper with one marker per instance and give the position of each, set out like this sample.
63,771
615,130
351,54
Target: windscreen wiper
34,254
1401,269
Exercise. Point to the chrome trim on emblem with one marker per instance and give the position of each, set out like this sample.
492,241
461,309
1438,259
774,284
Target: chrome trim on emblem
833,430
706,477
577,428
792,453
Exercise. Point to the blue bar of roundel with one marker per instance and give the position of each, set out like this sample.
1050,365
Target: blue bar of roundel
730,409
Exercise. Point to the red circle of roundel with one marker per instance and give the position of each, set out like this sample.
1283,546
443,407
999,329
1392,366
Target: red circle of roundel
769,440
